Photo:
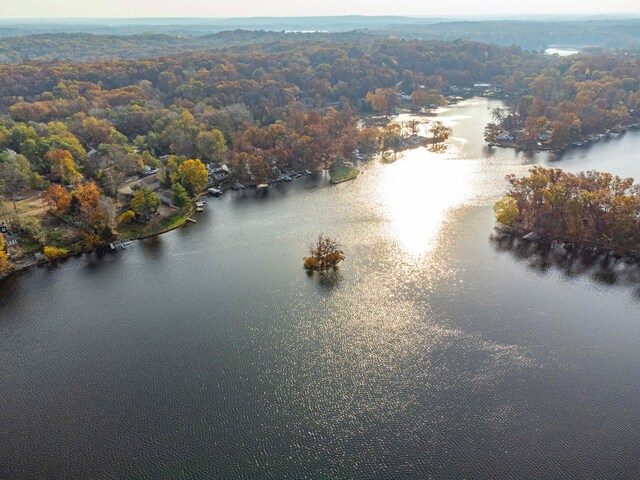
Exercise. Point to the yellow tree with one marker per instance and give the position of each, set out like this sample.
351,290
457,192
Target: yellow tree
506,210
63,168
4,258
193,176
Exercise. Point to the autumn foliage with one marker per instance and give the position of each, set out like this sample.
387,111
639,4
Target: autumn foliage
53,253
4,258
193,176
127,217
57,196
590,207
63,168
325,254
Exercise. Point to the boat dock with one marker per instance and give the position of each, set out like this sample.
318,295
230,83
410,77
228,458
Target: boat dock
120,245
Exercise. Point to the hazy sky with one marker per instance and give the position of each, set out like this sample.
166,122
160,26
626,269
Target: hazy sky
249,8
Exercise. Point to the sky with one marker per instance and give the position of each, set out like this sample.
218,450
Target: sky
279,8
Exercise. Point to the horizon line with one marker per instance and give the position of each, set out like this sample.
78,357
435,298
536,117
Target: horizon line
590,14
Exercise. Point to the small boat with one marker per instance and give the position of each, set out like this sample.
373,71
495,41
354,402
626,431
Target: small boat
191,220
238,186
262,186
286,178
308,172
200,204
199,209
216,192
297,175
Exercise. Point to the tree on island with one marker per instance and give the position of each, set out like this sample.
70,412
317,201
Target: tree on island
325,255
440,131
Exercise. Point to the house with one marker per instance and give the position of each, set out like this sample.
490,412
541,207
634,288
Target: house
166,197
218,172
11,244
506,137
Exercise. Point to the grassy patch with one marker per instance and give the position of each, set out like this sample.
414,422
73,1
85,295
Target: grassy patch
155,227
343,174
174,221
29,247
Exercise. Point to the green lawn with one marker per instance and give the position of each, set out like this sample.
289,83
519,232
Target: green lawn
343,174
137,230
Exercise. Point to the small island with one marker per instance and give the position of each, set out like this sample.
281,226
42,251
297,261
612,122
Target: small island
325,255
591,209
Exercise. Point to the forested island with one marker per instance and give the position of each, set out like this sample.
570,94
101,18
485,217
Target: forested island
92,151
591,209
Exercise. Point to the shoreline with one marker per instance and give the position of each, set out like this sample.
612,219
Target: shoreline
34,261
609,135
576,245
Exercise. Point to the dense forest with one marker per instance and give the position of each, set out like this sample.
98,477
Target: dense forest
79,131
593,207
571,100
188,34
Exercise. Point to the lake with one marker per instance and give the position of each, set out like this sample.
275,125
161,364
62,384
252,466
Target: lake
434,352
561,51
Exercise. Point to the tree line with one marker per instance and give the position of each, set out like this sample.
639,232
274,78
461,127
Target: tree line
590,207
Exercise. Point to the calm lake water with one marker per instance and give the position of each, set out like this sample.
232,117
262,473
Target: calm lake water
435,352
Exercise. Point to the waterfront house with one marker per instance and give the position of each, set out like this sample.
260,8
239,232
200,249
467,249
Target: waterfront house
218,172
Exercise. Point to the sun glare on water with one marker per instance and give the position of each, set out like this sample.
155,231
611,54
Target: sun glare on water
417,192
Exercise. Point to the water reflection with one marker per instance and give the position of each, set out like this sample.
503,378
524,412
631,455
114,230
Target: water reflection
326,281
438,147
571,260
417,191
152,248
